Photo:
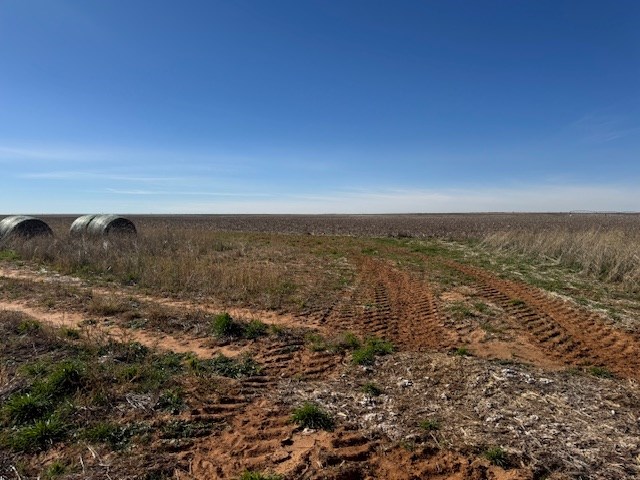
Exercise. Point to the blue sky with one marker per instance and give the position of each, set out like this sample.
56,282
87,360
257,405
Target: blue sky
319,106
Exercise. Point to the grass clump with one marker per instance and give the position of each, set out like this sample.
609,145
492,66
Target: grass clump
225,326
55,470
38,435
171,400
371,389
71,333
348,341
461,352
252,475
497,456
337,344
601,372
317,343
9,255
224,366
28,326
254,329
430,424
460,310
114,435
186,429
25,408
310,415
107,306
367,353
65,379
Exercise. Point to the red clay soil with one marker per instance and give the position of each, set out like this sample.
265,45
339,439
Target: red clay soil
563,331
389,303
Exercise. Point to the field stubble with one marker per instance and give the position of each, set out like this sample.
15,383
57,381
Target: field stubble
498,369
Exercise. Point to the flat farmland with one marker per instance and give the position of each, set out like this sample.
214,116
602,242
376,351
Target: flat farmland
486,346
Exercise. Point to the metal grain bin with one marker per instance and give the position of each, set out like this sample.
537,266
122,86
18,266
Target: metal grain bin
23,226
101,225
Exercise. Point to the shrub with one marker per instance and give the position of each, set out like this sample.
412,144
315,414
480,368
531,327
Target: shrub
310,415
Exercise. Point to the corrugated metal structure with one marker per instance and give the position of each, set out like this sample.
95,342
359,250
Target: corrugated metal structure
23,226
101,225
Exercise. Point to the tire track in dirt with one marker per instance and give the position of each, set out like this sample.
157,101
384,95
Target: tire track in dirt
324,318
402,308
258,438
263,438
270,317
569,334
149,339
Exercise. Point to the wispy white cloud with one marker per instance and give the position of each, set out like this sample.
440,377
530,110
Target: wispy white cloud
525,198
8,153
532,198
165,160
74,175
177,193
597,128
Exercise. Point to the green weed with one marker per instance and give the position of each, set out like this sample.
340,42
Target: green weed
371,389
28,326
497,456
430,424
254,329
252,475
37,436
171,400
601,372
56,469
367,353
310,415
25,408
461,352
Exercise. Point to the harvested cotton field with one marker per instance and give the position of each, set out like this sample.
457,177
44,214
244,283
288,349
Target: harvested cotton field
193,351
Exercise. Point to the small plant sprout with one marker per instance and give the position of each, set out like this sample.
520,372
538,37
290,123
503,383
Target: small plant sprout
430,425
601,372
373,347
461,352
253,475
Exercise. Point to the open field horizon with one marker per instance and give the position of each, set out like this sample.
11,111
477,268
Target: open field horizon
324,347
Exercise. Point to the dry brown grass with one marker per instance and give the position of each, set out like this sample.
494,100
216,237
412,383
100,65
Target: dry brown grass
263,270
610,256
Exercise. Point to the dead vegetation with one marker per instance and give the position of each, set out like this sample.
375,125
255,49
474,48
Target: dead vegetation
607,255
203,354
